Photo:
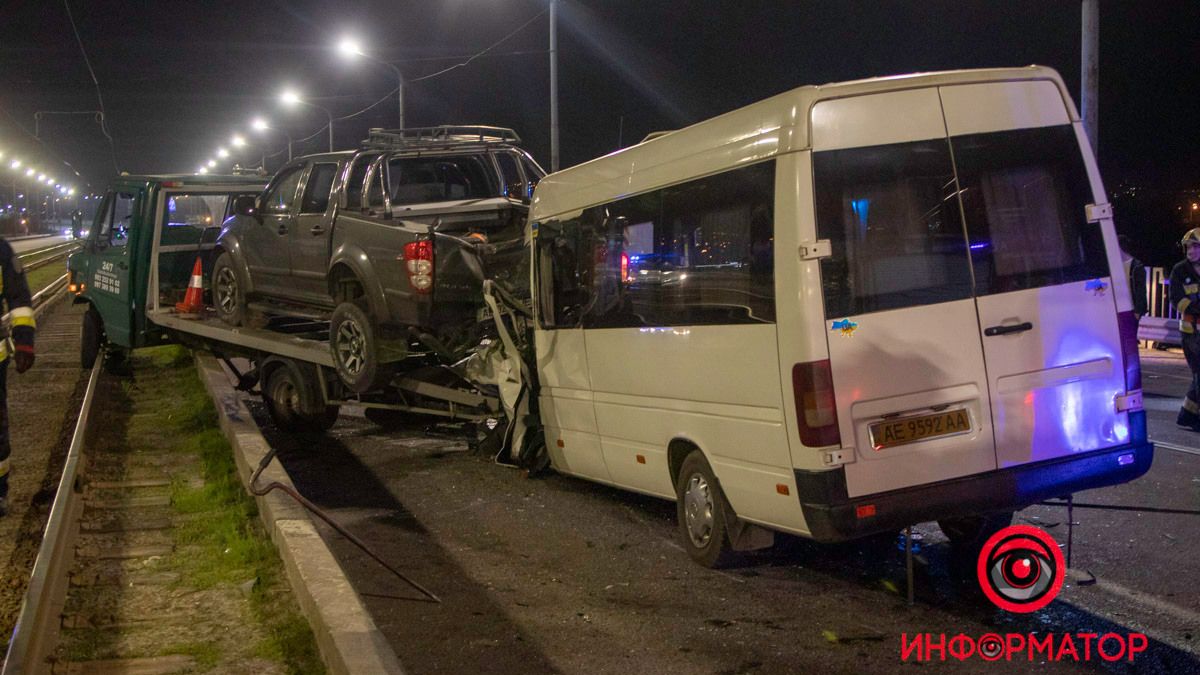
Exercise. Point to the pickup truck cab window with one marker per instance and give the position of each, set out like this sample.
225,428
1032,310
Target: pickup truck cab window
279,198
354,180
316,192
419,180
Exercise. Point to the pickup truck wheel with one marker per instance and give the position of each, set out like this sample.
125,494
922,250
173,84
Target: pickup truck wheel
354,342
228,293
293,404
92,339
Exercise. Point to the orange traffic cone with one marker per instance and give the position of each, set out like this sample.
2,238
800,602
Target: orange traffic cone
193,300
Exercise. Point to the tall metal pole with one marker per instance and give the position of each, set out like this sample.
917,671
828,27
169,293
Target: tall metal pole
400,96
1090,73
553,86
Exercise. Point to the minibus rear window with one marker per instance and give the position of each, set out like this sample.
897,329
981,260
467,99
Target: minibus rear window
1024,195
893,222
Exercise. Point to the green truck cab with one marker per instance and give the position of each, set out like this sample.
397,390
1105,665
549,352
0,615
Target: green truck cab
140,251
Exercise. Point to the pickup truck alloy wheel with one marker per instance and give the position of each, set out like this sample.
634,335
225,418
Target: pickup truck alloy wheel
227,291
354,343
702,513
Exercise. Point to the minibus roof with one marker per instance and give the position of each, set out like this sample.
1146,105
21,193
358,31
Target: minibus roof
755,132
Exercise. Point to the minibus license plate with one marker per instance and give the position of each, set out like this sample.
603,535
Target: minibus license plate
905,430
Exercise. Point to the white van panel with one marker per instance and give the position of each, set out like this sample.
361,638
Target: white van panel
798,302
751,491
877,119
717,364
903,362
561,359
1054,386
651,476
999,106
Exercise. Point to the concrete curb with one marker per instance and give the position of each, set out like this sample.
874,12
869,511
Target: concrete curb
349,641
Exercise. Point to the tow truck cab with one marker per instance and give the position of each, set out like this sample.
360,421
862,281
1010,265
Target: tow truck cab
114,272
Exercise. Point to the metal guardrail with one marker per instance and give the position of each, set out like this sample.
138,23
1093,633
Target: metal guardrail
37,626
50,253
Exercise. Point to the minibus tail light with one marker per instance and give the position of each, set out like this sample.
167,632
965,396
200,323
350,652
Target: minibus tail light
418,262
625,268
816,406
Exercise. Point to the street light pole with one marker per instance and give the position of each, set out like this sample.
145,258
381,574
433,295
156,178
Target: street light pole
553,86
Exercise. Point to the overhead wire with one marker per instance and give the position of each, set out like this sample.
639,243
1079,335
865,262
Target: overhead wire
99,97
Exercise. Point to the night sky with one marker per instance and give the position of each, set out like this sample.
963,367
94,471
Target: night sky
178,78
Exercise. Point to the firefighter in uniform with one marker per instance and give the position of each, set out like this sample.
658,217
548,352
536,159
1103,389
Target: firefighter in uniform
1185,296
18,344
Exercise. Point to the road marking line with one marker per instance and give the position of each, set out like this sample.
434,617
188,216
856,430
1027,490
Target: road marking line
1150,602
1177,448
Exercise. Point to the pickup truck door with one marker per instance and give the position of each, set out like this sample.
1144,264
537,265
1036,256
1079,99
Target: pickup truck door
266,244
309,239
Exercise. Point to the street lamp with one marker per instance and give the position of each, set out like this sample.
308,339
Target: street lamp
222,153
349,48
15,164
260,124
291,98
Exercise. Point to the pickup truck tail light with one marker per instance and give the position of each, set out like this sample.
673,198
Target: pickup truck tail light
418,262
816,405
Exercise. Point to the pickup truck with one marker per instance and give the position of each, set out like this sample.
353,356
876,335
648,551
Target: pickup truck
391,243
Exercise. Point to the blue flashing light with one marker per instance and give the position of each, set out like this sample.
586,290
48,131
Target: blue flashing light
979,247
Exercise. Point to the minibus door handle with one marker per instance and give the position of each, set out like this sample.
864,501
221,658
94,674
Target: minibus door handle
1005,330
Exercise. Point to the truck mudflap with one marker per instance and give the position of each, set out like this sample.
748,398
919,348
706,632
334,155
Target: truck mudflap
833,516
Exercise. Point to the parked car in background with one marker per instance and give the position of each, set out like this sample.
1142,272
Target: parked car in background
391,243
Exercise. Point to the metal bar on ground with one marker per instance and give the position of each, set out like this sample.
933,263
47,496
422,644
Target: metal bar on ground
38,623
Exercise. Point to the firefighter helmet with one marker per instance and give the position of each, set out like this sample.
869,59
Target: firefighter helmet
1192,236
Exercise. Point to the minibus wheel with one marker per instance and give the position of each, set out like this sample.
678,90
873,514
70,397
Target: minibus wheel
701,509
972,532
228,292
92,339
292,402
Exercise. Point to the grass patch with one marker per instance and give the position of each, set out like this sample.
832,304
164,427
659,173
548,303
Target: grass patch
219,539
42,276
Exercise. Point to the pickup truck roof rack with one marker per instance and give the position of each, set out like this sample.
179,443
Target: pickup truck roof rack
446,135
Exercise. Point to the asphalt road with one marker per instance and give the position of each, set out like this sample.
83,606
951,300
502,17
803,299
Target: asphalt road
559,575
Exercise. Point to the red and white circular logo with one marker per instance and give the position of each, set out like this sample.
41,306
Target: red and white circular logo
1021,568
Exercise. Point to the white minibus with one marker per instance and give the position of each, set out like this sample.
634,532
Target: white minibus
840,311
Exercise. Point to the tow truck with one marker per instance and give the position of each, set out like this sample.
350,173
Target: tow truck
153,235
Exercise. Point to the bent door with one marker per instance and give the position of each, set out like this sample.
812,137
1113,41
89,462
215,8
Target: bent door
904,348
1047,312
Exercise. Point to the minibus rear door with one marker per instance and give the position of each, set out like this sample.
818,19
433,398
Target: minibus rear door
902,329
1047,311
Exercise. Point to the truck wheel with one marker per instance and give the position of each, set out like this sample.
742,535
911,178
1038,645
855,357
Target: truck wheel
700,507
969,533
354,342
228,294
293,404
92,340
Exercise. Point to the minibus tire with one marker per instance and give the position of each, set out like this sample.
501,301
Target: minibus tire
91,341
354,343
292,404
970,533
696,475
225,273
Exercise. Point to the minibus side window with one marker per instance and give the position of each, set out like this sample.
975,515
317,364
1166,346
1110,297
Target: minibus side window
894,226
698,253
1024,195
